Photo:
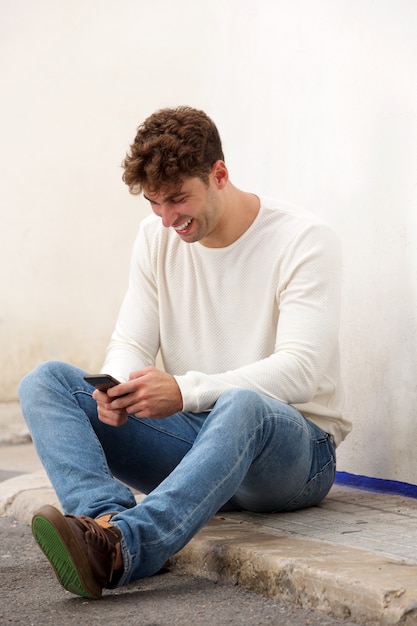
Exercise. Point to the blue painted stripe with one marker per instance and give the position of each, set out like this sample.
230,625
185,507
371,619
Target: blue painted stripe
380,485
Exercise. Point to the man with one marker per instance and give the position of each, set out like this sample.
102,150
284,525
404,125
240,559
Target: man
240,295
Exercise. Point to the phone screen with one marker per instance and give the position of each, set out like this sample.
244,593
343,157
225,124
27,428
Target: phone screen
102,382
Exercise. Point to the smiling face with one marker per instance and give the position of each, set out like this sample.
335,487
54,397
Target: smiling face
195,210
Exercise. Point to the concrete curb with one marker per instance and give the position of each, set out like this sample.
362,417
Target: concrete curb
330,579
333,579
22,495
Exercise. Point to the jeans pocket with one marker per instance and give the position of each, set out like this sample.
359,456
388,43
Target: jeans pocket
321,477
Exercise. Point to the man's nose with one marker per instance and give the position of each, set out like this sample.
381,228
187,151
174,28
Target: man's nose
168,216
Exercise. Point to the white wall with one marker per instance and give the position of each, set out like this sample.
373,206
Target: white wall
316,101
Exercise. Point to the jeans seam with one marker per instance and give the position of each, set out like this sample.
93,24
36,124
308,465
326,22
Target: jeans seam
104,462
289,418
330,464
161,430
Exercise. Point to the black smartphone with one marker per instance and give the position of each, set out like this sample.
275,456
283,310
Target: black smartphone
102,382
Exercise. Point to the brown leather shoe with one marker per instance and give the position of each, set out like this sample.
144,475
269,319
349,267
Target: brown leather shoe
81,550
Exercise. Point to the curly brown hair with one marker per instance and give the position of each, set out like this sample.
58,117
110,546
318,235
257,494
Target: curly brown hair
170,145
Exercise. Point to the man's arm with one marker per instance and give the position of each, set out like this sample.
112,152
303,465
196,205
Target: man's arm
306,337
135,341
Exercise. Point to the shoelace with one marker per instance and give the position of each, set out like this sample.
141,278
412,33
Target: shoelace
91,525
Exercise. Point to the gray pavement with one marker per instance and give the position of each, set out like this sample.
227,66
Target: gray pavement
354,556
31,596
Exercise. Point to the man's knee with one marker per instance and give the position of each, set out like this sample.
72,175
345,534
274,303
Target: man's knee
40,376
242,397
244,405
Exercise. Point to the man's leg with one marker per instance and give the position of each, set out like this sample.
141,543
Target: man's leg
257,451
260,451
82,456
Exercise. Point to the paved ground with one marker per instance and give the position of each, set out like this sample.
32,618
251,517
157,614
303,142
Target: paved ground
30,595
354,556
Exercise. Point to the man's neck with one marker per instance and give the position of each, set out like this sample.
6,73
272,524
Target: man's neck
240,210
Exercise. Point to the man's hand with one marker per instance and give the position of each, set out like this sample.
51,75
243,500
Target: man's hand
148,393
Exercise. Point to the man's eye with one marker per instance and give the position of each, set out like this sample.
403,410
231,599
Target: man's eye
179,200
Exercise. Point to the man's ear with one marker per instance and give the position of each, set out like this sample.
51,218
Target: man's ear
220,174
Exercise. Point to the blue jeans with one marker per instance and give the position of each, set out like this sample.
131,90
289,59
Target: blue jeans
249,452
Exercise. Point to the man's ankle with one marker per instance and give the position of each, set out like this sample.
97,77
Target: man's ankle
104,522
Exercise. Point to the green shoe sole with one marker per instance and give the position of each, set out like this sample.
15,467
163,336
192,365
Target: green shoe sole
60,548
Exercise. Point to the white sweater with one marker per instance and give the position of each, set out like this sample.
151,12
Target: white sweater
262,313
